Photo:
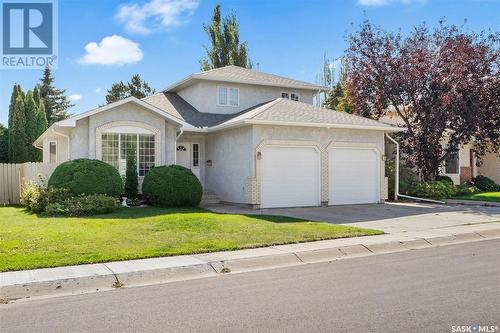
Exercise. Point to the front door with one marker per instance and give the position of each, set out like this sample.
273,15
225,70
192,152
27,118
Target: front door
188,156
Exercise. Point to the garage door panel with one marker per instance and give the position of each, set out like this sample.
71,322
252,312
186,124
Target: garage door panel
353,176
289,177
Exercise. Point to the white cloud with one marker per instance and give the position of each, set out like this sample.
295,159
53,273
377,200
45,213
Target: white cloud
75,97
98,90
155,14
374,2
386,2
112,50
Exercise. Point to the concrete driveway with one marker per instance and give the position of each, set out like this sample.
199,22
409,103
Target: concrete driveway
388,217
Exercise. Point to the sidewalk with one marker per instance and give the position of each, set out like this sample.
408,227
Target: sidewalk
107,276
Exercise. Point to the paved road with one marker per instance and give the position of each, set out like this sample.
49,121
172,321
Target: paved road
416,291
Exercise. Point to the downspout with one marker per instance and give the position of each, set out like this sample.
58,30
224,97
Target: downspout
67,138
396,175
396,178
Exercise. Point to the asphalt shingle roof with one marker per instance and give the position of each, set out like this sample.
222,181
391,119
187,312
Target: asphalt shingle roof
248,76
287,111
178,107
277,111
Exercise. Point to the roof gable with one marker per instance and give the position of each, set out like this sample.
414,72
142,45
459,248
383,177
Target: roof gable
236,74
71,122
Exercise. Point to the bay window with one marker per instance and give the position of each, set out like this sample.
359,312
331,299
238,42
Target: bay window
117,146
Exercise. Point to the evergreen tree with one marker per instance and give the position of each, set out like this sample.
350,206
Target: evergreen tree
4,144
16,91
18,141
41,120
226,48
131,181
36,95
30,116
55,100
41,126
135,87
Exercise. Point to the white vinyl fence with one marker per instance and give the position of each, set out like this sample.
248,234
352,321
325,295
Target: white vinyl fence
13,175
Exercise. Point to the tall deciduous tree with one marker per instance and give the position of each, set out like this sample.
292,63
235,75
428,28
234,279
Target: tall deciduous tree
135,87
18,140
443,83
55,100
225,49
338,96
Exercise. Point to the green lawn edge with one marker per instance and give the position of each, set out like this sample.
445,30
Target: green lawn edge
483,196
28,241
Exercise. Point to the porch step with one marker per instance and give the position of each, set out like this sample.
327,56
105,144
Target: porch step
209,198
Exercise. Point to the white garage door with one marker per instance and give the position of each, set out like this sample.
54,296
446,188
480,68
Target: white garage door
353,176
289,177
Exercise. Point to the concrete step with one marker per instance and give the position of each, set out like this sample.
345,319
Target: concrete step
209,198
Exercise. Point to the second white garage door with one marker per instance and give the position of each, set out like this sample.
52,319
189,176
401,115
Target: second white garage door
289,177
353,176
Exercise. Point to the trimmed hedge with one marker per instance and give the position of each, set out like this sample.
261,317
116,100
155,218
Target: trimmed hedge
84,176
435,190
172,186
82,205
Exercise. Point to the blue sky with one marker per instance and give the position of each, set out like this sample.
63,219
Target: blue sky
105,41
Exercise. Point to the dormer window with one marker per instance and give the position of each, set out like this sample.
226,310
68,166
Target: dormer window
290,95
228,96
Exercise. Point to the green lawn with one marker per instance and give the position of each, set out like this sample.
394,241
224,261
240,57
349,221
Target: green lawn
484,196
28,241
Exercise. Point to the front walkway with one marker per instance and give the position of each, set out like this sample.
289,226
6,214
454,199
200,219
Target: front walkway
389,217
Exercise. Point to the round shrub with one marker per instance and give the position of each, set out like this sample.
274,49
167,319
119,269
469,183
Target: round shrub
84,176
485,184
172,186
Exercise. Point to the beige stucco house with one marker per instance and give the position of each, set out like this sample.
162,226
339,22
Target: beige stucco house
250,137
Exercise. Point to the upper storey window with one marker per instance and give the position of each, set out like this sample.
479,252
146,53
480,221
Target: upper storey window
290,95
228,96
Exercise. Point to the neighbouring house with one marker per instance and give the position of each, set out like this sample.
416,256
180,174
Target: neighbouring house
460,165
250,137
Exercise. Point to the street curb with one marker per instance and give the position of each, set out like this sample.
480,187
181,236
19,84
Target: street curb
71,280
472,203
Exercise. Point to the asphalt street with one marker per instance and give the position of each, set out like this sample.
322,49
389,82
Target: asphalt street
428,290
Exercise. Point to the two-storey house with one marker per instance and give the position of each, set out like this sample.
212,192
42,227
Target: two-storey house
250,137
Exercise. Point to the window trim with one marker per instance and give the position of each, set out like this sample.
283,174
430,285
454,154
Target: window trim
290,95
160,156
228,96
137,152
55,157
